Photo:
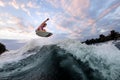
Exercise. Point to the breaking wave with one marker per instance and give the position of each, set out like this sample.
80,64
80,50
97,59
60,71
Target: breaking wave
63,60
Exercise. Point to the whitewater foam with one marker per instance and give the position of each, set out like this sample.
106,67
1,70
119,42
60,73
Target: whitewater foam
16,55
110,58
104,57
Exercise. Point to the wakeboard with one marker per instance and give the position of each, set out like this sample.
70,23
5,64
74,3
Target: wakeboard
43,33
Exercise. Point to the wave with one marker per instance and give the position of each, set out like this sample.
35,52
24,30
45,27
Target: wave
63,60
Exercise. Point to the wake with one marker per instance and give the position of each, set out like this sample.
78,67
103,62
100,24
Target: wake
38,60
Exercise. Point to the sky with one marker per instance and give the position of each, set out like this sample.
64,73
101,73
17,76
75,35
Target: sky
74,19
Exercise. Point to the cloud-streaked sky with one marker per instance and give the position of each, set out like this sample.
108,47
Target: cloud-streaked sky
76,19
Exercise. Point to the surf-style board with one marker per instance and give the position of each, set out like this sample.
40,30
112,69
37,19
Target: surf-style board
43,33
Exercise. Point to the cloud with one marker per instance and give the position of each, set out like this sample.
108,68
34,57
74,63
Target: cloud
25,9
74,18
77,8
7,33
64,26
22,6
62,23
77,19
108,10
31,4
115,15
64,29
14,4
8,20
73,26
2,4
103,30
38,13
12,27
72,7
94,23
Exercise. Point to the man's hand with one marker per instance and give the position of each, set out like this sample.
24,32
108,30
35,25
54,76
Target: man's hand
47,19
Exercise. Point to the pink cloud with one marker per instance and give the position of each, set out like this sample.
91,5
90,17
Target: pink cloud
57,21
32,5
76,29
11,21
11,29
14,28
103,14
72,7
63,29
22,6
74,33
11,33
77,8
94,29
7,19
108,10
2,4
31,28
75,36
14,4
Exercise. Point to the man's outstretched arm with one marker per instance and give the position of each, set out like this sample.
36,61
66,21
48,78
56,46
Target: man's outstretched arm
46,20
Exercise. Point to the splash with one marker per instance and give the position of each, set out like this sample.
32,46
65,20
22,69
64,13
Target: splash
104,57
